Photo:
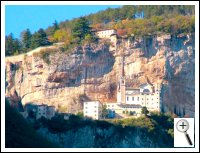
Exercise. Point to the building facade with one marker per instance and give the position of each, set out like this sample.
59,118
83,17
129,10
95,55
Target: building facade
146,95
45,111
92,109
116,110
106,33
50,112
41,111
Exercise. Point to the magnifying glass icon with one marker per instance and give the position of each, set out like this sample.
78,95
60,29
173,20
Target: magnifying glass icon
182,126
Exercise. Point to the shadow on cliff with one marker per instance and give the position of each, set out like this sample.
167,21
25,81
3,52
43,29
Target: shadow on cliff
19,133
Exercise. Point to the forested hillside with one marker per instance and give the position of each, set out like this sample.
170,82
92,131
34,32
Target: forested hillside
127,20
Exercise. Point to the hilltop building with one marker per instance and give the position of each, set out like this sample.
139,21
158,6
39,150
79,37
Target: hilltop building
106,33
110,34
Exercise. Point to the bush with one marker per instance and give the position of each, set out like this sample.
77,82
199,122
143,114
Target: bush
45,54
57,124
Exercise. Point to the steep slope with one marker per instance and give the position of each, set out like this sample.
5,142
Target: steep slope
92,71
127,133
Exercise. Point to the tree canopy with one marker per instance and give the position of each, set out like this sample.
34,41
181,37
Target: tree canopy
12,45
127,20
80,29
39,39
26,39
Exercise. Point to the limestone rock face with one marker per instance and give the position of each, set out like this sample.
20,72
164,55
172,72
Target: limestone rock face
92,72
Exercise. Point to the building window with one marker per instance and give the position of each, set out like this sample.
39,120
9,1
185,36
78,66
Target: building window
132,98
95,106
85,107
85,112
112,105
147,99
138,98
142,99
152,98
108,105
127,98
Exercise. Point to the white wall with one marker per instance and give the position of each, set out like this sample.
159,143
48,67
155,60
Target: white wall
147,86
41,111
105,33
92,109
151,101
50,112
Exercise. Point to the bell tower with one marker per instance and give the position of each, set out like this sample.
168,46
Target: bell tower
121,90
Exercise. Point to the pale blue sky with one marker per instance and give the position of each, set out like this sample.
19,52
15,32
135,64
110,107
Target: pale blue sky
21,17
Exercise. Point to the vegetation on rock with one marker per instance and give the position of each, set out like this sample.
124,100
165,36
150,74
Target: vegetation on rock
157,19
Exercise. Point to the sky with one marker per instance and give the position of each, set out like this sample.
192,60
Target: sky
34,17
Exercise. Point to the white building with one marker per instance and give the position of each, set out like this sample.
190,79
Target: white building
50,112
41,111
45,111
92,109
110,34
146,95
106,33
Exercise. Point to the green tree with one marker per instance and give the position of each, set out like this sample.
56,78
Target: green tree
89,38
145,111
52,29
12,45
39,39
26,39
60,35
104,111
55,26
80,29
80,114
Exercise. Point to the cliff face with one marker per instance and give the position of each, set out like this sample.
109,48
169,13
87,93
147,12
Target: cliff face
92,72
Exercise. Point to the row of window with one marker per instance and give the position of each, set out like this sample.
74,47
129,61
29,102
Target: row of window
138,98
94,111
110,105
41,113
148,103
94,107
104,32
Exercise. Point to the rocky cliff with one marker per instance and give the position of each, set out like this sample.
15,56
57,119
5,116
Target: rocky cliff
50,75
